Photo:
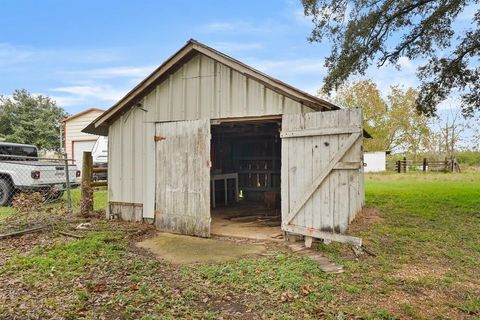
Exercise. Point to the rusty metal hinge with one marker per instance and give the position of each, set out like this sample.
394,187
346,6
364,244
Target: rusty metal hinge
158,138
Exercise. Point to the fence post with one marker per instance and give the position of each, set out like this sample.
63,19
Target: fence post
67,176
424,164
456,165
399,166
404,164
86,205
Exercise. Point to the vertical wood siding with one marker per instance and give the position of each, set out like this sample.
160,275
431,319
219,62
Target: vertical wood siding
336,200
131,155
183,177
205,89
201,89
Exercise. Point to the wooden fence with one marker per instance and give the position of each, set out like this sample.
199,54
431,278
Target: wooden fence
404,165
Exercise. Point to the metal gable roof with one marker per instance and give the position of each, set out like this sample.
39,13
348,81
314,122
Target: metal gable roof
190,49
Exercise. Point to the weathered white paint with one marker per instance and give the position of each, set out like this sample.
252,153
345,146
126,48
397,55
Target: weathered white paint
155,176
321,172
206,89
131,154
73,127
194,48
201,89
183,177
375,161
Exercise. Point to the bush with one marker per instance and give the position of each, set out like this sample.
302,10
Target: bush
469,158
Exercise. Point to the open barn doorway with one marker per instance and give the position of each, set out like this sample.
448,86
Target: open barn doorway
245,179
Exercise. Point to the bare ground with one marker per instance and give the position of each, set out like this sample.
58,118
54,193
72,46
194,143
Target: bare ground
424,236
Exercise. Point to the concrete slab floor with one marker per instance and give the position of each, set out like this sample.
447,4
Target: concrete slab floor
182,249
222,224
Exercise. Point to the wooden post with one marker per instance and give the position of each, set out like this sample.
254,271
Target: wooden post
67,176
457,166
399,166
308,242
424,164
86,206
404,164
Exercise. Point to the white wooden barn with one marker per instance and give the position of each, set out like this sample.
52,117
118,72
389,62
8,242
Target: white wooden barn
206,138
76,141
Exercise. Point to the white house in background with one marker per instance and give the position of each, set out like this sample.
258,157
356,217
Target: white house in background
375,161
76,141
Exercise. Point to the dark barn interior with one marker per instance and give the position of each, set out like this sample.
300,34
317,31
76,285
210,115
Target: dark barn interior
245,178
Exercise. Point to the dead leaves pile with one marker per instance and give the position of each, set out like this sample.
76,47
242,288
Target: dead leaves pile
305,290
288,296
30,210
26,203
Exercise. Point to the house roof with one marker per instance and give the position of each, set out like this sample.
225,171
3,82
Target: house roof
190,49
82,113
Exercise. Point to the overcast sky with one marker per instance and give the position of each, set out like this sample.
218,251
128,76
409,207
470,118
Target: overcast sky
90,53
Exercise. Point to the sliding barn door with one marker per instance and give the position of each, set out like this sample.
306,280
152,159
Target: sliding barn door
321,172
183,177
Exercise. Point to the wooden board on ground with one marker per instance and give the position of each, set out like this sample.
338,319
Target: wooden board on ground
325,264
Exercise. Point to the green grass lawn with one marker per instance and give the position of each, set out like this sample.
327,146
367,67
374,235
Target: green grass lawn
100,199
5,212
424,230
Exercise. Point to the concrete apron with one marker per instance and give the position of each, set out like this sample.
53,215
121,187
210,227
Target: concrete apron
180,249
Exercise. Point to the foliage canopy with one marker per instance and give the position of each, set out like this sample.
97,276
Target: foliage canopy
364,31
392,122
25,118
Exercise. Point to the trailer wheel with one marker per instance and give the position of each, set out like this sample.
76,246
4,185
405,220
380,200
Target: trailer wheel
5,192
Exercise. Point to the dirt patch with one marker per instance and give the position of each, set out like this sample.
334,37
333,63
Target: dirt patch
418,304
246,222
11,247
415,272
366,218
185,249
410,302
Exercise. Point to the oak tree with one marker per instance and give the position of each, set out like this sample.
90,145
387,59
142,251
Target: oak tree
31,119
392,121
363,32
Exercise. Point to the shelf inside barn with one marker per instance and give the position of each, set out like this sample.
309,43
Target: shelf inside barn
253,151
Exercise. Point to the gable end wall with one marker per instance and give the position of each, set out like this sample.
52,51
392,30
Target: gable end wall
201,89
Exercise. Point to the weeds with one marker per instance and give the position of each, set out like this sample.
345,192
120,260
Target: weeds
425,239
